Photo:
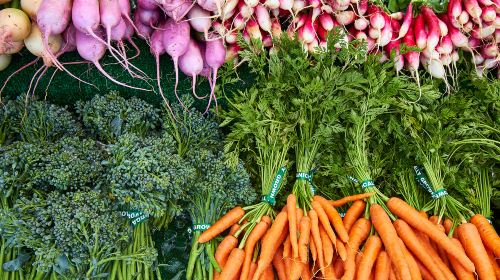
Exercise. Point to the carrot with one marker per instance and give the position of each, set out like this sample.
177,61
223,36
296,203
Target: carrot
288,267
426,275
300,214
266,219
392,273
316,236
353,213
413,218
382,266
257,233
471,240
296,268
234,228
233,265
488,234
291,205
231,218
268,244
359,232
327,246
460,271
410,260
314,252
335,218
253,267
434,219
306,272
387,232
323,218
279,265
268,274
223,250
338,268
287,248
347,199
441,252
448,225
413,243
341,250
494,263
438,262
303,243
371,250
328,273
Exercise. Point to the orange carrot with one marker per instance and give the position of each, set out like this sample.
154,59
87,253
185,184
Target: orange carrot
306,272
266,219
415,246
338,268
316,236
327,246
438,262
412,264
287,248
407,213
314,252
323,219
441,252
303,243
471,240
231,218
328,273
434,219
300,214
291,205
233,265
392,273
268,274
489,236
426,274
383,266
234,228
359,232
353,213
334,217
279,265
287,260
288,267
341,250
268,244
371,250
387,232
223,250
257,233
448,225
253,267
296,268
460,271
494,263
347,199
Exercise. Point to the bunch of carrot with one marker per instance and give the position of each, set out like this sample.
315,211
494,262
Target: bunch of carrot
390,240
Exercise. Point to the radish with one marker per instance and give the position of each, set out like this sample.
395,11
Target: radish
314,3
489,14
287,5
486,3
276,28
322,33
313,46
92,49
181,11
491,63
474,43
374,33
345,18
253,30
406,22
231,38
477,59
11,47
238,22
125,12
432,27
412,58
110,17
298,22
490,50
191,62
326,21
148,17
436,69
229,8
454,9
361,23
443,28
4,61
400,15
497,35
272,4
14,25
251,3
199,19
315,14
386,32
306,32
377,20
473,8
446,59
232,52
482,33
468,27
176,38
211,5
362,7
215,56
157,49
298,5
142,29
458,38
263,18
420,33
463,18
245,10
69,40
30,7
147,4
446,45
36,46
206,71
361,36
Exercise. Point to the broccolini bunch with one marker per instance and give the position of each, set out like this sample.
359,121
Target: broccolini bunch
145,174
107,117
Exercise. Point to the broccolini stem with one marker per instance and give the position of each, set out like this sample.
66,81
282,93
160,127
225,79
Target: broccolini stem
211,257
193,256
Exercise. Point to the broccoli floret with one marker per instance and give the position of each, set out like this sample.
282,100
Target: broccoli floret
7,117
145,174
39,122
111,115
191,129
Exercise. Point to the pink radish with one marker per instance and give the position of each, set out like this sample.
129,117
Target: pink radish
468,27
251,3
377,20
326,21
489,14
362,7
276,28
474,43
253,29
299,21
486,3
306,32
314,3
373,33
91,49
446,45
436,69
473,8
406,22
176,38
110,17
191,62
490,50
229,8
148,17
420,33
215,56
345,18
143,30
477,59
315,13
118,31
298,5
147,4
232,52
272,4
443,28
245,10
446,59
399,15
69,40
231,38
199,19
210,5
463,18
125,12
206,71
412,58
433,34
180,12
157,49
386,32
361,23
458,38
286,5
454,9
483,33
263,18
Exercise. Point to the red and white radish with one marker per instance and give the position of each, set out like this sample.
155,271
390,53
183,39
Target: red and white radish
263,18
408,19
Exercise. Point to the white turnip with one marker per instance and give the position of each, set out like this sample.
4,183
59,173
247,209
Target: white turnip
5,60
14,25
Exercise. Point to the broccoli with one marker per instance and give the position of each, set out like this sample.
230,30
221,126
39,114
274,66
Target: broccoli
107,117
7,117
